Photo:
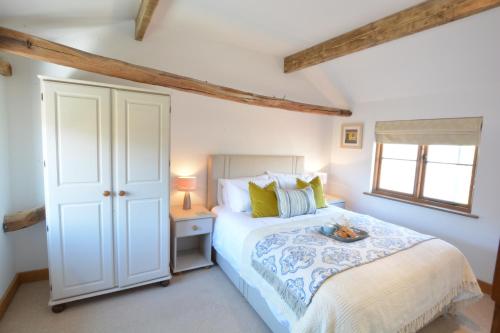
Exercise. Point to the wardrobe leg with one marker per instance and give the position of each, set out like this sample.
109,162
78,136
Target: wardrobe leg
58,308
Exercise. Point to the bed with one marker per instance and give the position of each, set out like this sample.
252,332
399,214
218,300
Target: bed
398,293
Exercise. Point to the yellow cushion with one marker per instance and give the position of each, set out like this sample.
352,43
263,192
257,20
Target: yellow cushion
263,200
319,194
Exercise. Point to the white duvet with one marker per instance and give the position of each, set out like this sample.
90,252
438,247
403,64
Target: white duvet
399,293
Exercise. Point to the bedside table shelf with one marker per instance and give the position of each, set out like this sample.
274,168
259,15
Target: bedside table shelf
191,238
191,259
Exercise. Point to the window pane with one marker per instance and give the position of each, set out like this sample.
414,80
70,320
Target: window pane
403,152
451,154
448,182
397,175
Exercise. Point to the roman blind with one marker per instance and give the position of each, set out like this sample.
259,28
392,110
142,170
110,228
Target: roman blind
456,131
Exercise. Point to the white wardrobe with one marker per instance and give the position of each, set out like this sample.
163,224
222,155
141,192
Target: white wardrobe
106,166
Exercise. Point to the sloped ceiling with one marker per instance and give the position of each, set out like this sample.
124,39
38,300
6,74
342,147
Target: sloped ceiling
29,10
276,27
456,57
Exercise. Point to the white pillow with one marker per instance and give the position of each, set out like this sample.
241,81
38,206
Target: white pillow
289,180
238,199
234,192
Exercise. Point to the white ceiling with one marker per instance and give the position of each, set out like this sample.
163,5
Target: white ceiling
456,57
275,27
65,9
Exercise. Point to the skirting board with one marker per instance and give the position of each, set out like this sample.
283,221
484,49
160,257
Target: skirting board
43,274
20,278
485,287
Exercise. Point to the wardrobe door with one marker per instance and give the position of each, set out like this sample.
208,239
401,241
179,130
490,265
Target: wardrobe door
77,151
141,179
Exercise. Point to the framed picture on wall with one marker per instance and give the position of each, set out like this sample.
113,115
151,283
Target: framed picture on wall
352,136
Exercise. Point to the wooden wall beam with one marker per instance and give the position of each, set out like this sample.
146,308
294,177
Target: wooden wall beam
426,15
32,47
143,18
23,219
5,68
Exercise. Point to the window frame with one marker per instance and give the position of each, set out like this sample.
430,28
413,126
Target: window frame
417,197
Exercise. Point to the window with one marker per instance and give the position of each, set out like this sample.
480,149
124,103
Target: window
429,162
398,166
433,175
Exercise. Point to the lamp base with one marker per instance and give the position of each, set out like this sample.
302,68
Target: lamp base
187,201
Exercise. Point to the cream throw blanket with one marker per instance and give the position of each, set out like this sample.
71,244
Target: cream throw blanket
399,293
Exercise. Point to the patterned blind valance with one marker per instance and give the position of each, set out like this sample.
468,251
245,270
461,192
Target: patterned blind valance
456,131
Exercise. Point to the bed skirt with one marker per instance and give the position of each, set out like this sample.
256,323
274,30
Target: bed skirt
252,296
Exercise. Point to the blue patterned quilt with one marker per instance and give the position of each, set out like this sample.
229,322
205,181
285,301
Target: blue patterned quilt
296,259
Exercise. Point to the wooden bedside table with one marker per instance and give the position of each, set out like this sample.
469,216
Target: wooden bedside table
191,238
334,200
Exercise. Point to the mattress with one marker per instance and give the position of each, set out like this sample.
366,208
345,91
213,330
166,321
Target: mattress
399,293
231,230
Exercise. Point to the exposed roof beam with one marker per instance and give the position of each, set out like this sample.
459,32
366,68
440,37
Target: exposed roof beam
29,46
426,15
5,68
143,17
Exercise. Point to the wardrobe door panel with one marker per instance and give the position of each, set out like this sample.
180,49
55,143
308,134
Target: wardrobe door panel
77,152
144,222
82,251
141,147
78,136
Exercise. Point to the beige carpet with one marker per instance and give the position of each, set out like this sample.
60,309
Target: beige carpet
198,301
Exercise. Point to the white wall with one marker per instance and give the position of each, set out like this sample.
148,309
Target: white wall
26,161
448,71
200,125
6,260
352,169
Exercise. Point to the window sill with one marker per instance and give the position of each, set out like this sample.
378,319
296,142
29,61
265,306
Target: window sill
422,204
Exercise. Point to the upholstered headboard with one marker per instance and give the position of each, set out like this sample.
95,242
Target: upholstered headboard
234,166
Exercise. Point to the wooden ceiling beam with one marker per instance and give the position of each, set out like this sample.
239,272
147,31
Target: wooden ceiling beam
426,15
32,47
5,68
143,18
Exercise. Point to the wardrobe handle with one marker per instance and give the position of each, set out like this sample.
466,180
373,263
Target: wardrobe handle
195,227
106,193
122,193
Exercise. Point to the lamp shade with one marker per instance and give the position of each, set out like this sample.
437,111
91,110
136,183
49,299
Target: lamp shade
185,183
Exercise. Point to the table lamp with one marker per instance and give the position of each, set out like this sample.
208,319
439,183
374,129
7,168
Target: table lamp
186,184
